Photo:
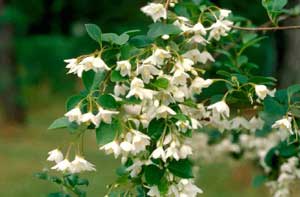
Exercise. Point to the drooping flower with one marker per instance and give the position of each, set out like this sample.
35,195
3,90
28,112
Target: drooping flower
224,13
159,153
135,168
124,67
198,84
112,147
79,164
55,155
103,115
74,115
262,91
163,111
284,124
155,10
185,151
89,117
137,89
139,141
220,108
219,28
120,89
147,71
64,165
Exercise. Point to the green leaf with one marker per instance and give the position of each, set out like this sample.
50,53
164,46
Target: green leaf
122,39
162,83
117,77
159,29
259,180
73,101
106,133
141,41
91,80
181,168
156,128
107,101
153,174
59,123
293,90
115,38
109,37
94,32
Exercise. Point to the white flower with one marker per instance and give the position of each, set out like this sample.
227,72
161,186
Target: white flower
193,54
224,13
158,57
188,189
137,89
163,111
199,29
284,124
79,164
183,126
126,146
133,110
220,108
198,84
74,115
62,166
120,89
220,28
135,168
112,147
184,64
262,91
55,155
159,153
103,115
185,151
139,141
94,63
205,56
153,191
147,71
74,67
124,67
155,11
89,117
172,151
183,24
180,77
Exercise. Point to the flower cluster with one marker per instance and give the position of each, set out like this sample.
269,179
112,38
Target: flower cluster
146,96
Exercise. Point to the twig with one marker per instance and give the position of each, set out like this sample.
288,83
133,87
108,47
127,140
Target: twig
167,4
266,28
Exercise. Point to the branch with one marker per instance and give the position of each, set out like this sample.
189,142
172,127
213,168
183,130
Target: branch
266,28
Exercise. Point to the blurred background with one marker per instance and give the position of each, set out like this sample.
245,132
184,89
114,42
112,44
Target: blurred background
37,35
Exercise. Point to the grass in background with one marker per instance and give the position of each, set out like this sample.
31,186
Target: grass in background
23,152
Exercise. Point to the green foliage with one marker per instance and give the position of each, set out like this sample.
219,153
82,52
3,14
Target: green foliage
91,80
159,29
156,128
59,123
181,168
106,133
94,32
153,174
274,8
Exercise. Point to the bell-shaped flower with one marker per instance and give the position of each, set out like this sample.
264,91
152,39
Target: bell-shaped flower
159,153
55,155
64,165
112,147
94,63
79,164
284,124
74,115
163,111
220,28
220,108
198,84
147,71
136,168
154,192
137,89
124,67
155,10
262,91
